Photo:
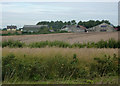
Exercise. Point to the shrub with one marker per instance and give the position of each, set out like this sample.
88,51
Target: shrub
106,65
58,67
49,44
8,64
111,43
12,43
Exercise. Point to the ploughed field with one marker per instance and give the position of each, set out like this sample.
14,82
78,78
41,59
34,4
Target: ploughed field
67,37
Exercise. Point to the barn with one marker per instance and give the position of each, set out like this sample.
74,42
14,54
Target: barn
102,28
73,28
33,28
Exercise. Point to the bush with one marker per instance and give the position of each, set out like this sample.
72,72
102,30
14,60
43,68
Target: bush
42,68
58,67
12,44
111,43
106,65
49,44
8,64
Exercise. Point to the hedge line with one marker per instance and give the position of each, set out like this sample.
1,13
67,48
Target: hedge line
111,43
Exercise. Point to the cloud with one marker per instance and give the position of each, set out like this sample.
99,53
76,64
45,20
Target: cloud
59,0
32,12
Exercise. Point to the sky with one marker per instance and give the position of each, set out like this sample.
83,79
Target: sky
30,13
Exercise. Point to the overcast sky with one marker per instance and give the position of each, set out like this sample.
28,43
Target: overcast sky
20,13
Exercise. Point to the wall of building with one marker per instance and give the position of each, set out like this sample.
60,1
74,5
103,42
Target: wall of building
102,28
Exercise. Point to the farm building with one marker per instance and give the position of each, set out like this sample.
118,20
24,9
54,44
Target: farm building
11,28
102,28
73,28
33,28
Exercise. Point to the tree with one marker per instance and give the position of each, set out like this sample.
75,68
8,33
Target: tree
73,22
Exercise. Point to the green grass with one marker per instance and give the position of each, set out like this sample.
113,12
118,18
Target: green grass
102,80
36,69
111,43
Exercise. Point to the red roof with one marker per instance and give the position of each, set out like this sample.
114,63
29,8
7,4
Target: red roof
82,27
116,28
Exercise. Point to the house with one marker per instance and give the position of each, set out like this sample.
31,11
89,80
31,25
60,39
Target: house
11,28
51,30
73,28
102,28
33,28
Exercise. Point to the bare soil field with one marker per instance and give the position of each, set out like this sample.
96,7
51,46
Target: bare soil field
67,37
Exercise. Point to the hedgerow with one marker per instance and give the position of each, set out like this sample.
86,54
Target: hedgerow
12,44
111,43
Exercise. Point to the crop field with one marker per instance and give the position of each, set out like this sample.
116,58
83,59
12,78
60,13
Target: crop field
67,37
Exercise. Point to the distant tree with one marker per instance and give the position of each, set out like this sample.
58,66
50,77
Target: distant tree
57,25
105,21
73,22
68,23
80,23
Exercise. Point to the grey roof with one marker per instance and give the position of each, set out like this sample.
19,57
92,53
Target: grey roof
34,28
73,28
37,26
12,27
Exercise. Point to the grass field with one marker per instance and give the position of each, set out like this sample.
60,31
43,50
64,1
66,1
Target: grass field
55,65
83,53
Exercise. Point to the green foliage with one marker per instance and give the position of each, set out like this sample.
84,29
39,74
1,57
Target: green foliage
106,65
49,44
92,23
12,44
111,43
8,63
56,25
57,67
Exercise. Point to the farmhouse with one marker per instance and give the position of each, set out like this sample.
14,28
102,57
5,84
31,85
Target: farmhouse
102,28
73,28
33,28
11,28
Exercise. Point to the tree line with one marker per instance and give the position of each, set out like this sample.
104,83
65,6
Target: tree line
56,25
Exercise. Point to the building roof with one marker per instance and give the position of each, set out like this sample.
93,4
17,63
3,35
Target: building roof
35,26
74,26
103,26
82,27
12,27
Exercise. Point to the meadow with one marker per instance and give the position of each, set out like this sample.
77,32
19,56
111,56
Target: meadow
60,65
66,59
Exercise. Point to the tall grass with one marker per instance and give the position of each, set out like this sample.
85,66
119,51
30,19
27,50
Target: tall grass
57,67
111,43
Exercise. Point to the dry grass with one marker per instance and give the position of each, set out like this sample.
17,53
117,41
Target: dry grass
83,53
67,37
